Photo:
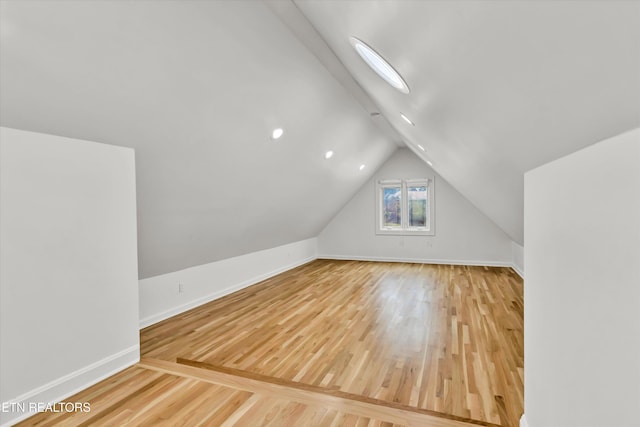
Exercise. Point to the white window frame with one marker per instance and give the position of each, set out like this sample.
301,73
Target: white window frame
404,229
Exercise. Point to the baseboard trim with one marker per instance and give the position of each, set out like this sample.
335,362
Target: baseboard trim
70,384
518,270
418,260
523,421
511,265
150,320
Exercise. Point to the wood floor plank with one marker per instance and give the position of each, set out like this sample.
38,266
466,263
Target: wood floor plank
151,364
156,397
436,337
309,395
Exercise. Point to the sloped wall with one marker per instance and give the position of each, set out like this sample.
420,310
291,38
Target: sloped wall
463,234
196,88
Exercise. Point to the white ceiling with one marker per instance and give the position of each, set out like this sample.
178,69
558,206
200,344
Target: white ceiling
196,88
497,88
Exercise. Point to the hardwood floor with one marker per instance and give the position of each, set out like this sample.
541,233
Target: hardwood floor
411,344
143,397
311,395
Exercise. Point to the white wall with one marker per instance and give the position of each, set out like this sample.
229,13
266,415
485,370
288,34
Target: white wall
462,233
161,296
68,282
582,293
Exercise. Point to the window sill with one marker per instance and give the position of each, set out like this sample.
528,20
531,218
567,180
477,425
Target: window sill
405,232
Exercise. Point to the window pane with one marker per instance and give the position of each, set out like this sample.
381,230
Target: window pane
417,206
391,207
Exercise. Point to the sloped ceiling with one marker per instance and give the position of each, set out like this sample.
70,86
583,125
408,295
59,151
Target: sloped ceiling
497,87
196,87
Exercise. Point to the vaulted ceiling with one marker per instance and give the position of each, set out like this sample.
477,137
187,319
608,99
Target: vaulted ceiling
196,87
497,87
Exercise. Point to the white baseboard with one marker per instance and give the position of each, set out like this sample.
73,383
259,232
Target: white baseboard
150,320
70,384
427,261
517,255
523,421
517,270
419,260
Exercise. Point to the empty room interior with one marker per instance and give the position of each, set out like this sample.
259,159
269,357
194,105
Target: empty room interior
320,213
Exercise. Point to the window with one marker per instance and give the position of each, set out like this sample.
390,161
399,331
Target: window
405,207
392,207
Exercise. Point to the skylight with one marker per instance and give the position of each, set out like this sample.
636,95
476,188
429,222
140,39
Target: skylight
379,65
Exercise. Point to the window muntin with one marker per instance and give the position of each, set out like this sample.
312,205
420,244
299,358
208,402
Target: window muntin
405,207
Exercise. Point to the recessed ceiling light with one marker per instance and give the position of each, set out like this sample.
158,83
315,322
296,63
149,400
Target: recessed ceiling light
379,65
421,147
277,133
429,163
361,167
328,154
406,119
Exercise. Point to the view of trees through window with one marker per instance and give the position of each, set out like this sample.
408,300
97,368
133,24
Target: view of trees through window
392,207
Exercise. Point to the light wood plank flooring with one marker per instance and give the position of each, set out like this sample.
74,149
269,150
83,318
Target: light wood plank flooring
364,343
148,397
